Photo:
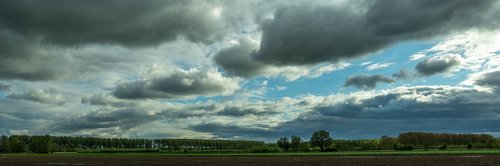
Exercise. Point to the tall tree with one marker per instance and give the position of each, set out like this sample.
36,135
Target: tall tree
321,139
16,145
4,145
387,142
284,144
295,143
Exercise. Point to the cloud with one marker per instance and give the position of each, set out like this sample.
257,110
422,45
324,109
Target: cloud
116,21
30,59
19,132
125,116
129,116
280,88
438,64
45,96
233,131
237,59
490,80
371,114
181,84
60,40
366,81
479,49
4,86
125,119
366,63
413,108
107,100
240,111
401,74
418,56
327,33
107,55
378,66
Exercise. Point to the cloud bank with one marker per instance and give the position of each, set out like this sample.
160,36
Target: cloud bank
45,96
181,84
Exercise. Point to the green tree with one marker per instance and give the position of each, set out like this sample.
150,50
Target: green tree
295,143
387,142
321,139
284,144
4,145
17,146
40,144
304,147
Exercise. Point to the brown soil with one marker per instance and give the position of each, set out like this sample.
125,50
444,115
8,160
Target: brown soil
257,161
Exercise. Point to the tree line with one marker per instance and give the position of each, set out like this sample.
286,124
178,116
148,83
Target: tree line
47,144
405,141
319,141
427,140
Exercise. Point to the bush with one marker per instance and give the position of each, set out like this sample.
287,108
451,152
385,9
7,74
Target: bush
469,146
443,147
304,147
264,149
405,147
330,150
17,146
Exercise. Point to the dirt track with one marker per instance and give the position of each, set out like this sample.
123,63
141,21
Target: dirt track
288,161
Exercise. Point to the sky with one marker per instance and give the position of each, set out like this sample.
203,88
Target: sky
249,69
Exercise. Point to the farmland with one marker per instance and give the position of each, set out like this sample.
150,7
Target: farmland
239,159
290,154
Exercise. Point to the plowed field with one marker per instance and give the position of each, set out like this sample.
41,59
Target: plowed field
253,160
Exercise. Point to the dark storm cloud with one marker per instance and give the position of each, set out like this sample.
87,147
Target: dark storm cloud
35,35
181,84
237,59
437,65
366,81
490,80
300,35
4,86
46,96
29,59
125,22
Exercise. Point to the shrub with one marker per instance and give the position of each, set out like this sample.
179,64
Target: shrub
469,146
18,146
443,147
405,147
264,149
304,147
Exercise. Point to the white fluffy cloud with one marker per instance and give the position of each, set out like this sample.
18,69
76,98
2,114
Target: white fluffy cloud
378,66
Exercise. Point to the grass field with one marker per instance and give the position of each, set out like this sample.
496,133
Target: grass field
345,153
